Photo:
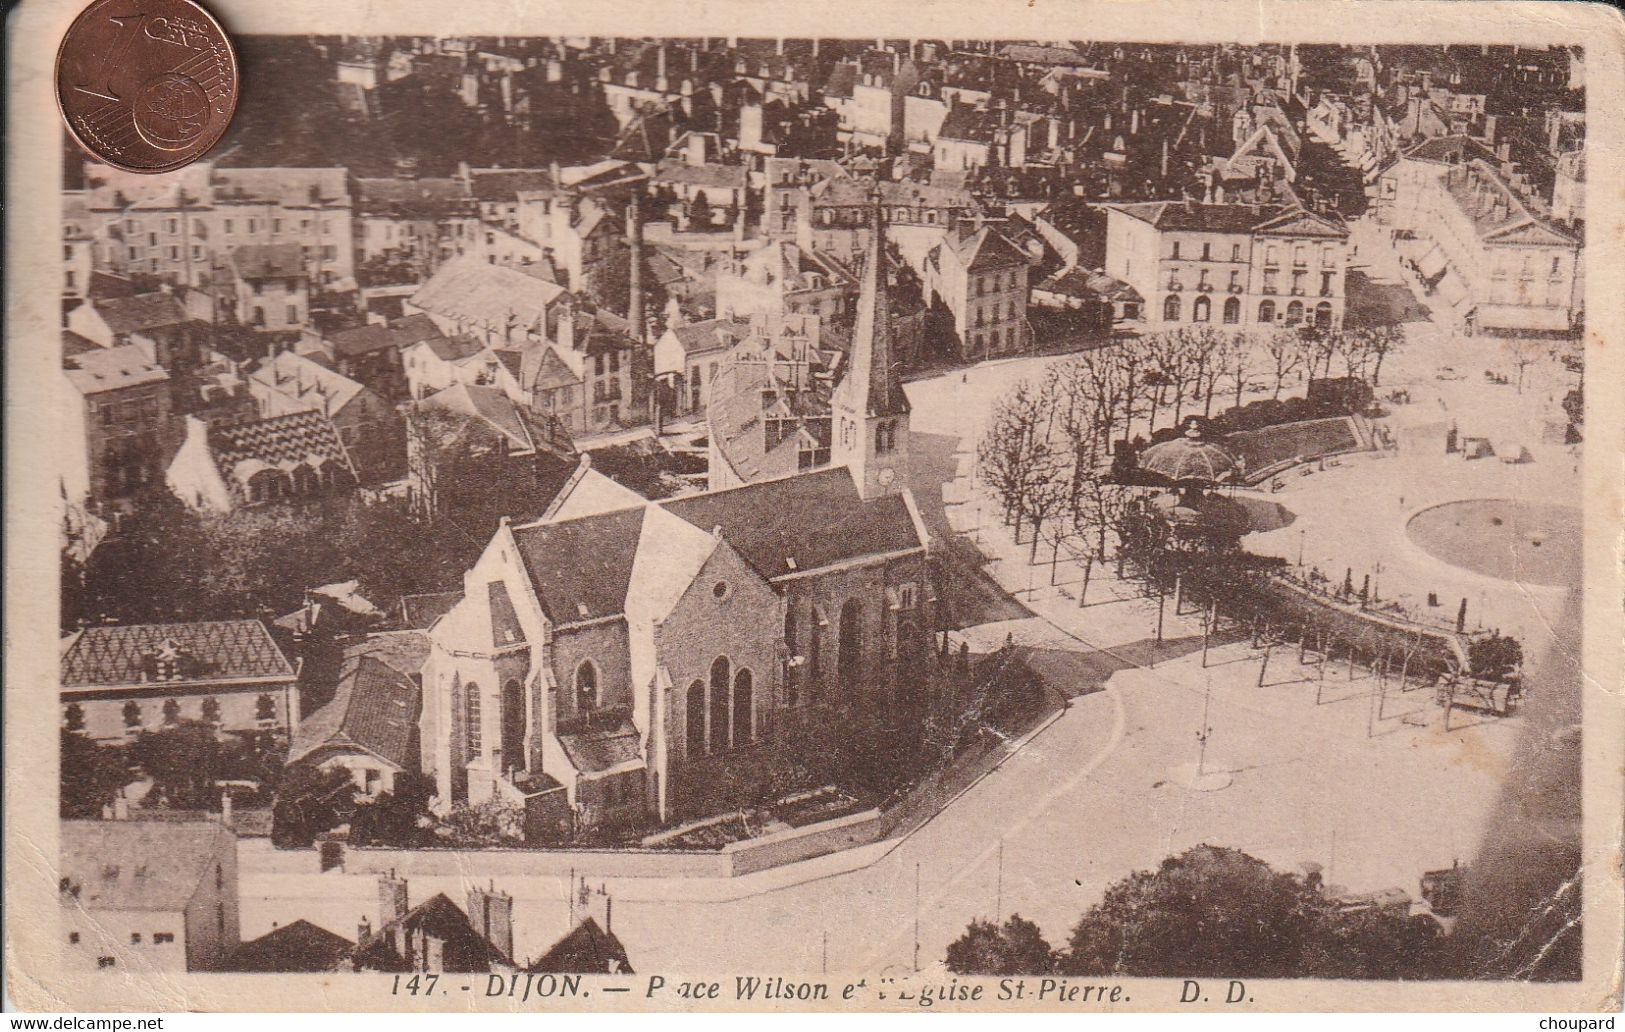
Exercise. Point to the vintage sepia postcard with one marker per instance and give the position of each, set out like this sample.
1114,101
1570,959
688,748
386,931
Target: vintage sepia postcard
1066,507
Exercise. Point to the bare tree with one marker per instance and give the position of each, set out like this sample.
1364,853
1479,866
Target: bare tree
1204,359
1129,359
1381,341
1319,346
1088,390
1525,353
1354,348
1017,457
1286,354
1166,355
1237,357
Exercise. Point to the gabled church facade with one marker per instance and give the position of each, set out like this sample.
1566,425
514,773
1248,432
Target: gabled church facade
628,652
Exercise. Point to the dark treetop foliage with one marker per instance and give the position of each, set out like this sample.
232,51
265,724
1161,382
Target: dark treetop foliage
1210,913
1214,912
92,775
1013,948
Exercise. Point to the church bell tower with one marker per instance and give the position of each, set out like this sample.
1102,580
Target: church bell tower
870,410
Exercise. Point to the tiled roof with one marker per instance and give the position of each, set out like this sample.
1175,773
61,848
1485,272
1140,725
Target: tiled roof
438,918
491,407
293,382
546,368
593,751
470,290
587,950
841,80
711,335
505,627
1035,54
419,611
109,369
599,330
140,865
375,708
802,522
706,176
400,334
282,441
1231,218
581,568
140,312
983,247
1076,281
405,650
300,946
268,261
220,650
907,193
503,184
738,406
106,284
453,349
646,138
290,187
413,197
77,344
512,359
1455,149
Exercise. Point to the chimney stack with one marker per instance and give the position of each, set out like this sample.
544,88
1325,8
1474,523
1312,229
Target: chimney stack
564,333
634,237
393,902
491,914
594,904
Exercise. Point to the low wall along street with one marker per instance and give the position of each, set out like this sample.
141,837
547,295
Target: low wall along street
747,856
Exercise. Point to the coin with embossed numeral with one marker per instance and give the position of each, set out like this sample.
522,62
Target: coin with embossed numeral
146,85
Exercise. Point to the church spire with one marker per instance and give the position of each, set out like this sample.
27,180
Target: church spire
870,369
870,409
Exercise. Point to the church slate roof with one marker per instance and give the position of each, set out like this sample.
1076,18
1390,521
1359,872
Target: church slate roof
802,522
581,568
594,751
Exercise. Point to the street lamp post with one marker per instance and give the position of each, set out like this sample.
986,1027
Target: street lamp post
1206,733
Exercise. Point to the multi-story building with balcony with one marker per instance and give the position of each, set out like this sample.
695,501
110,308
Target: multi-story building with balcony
1233,266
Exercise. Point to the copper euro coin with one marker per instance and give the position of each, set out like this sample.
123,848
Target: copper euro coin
146,85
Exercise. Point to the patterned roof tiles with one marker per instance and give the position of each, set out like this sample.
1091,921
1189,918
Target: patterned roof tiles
132,654
291,439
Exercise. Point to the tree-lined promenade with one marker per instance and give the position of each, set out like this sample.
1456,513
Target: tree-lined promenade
1055,453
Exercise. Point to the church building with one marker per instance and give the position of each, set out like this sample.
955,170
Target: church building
627,652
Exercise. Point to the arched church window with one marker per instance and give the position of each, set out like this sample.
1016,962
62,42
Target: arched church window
586,687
